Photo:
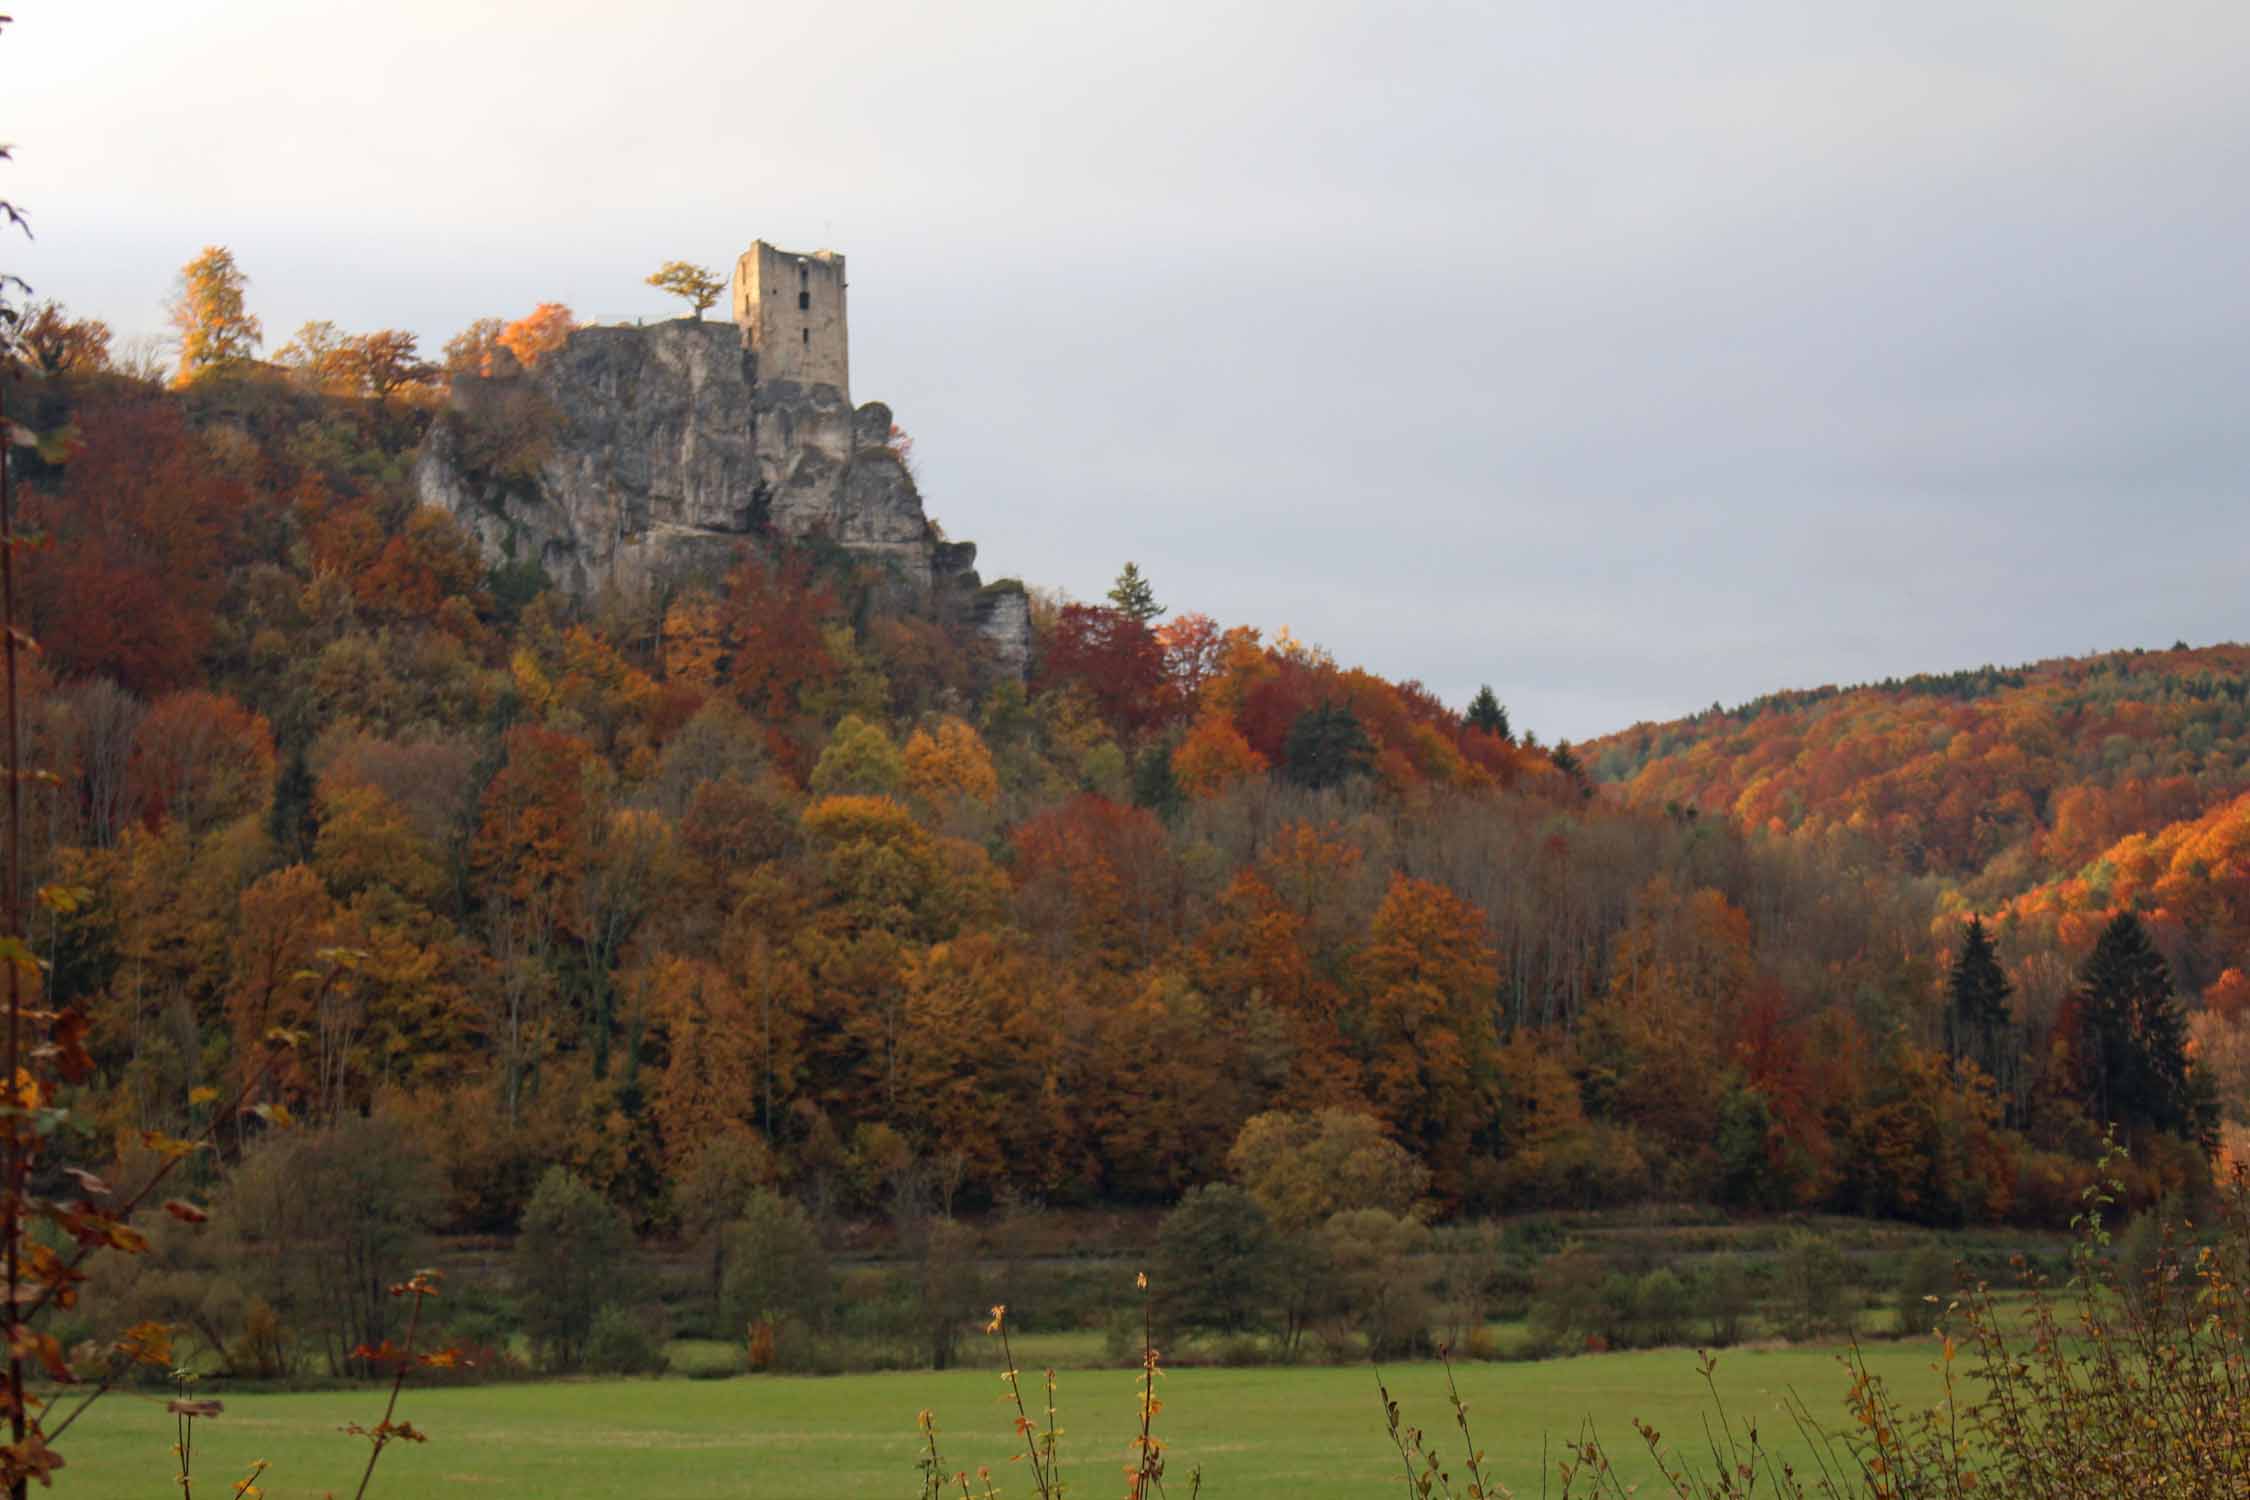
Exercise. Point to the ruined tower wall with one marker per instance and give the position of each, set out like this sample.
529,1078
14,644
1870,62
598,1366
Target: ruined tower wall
791,307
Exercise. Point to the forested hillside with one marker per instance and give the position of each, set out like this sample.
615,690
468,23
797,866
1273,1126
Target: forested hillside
2059,792
775,880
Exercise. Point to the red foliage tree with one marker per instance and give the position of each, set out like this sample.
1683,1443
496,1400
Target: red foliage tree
1116,659
1101,875
139,526
200,759
773,621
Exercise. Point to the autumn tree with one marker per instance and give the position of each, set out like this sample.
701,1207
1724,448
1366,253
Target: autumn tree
285,920
629,864
1304,1167
950,765
56,344
527,858
202,759
1424,1021
731,1038
986,1071
215,327
469,352
1115,658
316,355
773,617
692,284
1214,757
539,333
137,530
535,824
383,361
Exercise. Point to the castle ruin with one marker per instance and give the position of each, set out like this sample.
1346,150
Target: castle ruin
645,456
790,309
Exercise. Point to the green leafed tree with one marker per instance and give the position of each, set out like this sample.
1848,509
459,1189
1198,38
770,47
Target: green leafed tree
1217,1261
777,1270
692,284
569,1260
859,759
1132,595
212,316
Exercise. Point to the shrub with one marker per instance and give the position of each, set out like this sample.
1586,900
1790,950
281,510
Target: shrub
1377,1297
1723,1299
1566,1298
1924,1282
627,1340
1662,1307
1813,1300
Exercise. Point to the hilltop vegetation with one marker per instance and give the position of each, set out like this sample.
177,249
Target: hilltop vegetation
778,886
1995,781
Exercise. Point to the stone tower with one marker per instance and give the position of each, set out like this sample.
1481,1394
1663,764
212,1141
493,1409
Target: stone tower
791,310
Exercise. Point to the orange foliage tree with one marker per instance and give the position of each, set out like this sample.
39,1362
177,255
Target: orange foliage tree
538,333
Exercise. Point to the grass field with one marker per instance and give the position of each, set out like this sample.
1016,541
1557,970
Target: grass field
1257,1434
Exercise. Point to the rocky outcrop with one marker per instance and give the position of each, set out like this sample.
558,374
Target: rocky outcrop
1002,612
637,456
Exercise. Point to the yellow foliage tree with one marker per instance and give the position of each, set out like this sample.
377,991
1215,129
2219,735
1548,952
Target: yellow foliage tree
692,284
215,326
694,643
950,765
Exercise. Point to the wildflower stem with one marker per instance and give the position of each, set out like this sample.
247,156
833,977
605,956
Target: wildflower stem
75,1412
382,1433
1024,1428
11,918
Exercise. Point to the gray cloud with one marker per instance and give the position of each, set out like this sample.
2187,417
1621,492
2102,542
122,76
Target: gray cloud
1627,356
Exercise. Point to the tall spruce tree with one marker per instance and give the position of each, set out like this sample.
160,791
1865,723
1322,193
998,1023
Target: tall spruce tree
1566,761
1132,595
1978,990
1325,747
1486,712
2135,1036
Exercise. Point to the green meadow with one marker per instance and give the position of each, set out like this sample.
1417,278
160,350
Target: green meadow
1256,1434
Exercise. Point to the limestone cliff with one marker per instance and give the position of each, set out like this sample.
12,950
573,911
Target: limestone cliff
636,456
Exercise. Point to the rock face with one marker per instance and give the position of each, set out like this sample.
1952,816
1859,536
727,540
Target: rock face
633,457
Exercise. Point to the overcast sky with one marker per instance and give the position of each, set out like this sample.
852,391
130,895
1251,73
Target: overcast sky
1629,356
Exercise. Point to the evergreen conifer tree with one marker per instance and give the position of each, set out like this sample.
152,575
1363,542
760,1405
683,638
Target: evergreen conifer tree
1978,990
1566,761
1154,786
292,820
1325,747
2135,1037
1132,595
1486,712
